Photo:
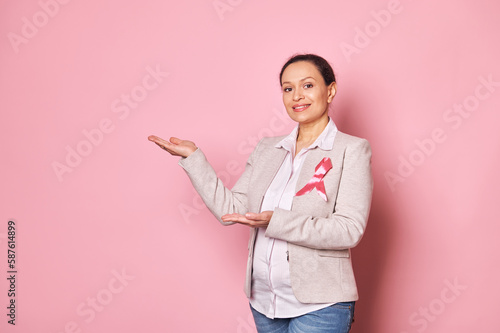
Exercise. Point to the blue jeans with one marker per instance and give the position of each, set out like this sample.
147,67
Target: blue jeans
336,318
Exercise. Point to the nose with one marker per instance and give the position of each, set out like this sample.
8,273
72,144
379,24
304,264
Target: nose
297,94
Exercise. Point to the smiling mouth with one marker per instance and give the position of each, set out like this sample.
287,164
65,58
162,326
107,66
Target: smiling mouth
301,107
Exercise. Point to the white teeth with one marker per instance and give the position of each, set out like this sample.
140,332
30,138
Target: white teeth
300,107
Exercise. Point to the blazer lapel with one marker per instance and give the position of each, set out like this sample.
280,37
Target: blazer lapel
313,157
316,155
273,163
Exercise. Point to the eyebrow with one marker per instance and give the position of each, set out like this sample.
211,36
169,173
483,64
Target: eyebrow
309,77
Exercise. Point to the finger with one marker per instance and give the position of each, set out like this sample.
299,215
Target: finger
152,138
245,221
233,218
257,216
237,218
162,146
160,141
232,215
172,152
165,145
155,138
253,224
250,219
175,140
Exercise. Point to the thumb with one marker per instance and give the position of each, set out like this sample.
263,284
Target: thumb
175,140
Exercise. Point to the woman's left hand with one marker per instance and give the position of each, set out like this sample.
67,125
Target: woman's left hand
254,220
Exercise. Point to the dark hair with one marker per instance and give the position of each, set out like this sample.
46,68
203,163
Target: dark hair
321,64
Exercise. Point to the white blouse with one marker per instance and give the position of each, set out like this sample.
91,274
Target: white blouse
272,293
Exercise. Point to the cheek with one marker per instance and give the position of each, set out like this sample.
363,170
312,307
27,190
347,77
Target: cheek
286,99
318,97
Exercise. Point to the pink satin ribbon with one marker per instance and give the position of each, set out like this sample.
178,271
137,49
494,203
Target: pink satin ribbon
317,180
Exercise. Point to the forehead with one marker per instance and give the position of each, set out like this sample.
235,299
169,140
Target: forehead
299,70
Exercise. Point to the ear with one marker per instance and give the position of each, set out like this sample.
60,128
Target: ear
332,90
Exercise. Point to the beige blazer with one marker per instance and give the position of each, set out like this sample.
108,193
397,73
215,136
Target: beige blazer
319,234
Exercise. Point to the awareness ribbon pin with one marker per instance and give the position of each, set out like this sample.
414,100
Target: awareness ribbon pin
317,180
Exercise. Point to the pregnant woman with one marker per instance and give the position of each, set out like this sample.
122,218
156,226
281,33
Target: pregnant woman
306,197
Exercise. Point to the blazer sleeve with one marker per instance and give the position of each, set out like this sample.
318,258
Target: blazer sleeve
344,228
218,198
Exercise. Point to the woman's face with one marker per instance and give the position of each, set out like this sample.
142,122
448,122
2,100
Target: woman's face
305,95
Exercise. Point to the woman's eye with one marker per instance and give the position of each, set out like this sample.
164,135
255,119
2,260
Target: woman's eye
287,89
308,85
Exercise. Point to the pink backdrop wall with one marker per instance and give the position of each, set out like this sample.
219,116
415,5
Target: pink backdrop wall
110,235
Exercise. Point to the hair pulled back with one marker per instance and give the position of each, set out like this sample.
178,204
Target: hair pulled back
321,64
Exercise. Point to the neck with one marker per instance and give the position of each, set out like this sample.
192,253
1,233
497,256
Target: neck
310,131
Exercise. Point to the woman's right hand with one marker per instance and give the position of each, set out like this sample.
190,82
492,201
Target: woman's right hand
176,146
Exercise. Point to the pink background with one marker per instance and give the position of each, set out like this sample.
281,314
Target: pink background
429,259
